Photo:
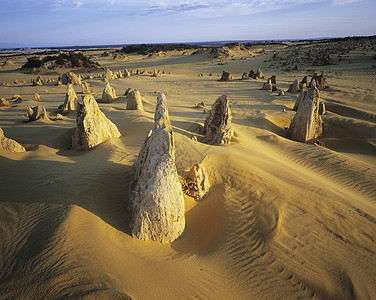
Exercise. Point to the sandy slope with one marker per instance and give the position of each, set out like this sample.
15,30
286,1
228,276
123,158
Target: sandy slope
282,220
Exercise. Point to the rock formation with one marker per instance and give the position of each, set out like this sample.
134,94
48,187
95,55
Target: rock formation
306,126
245,75
69,78
70,103
86,87
322,109
281,93
196,182
4,103
38,81
300,97
108,74
127,73
9,144
294,88
267,86
37,112
134,101
108,94
156,73
273,79
93,127
158,203
320,81
217,126
226,76
36,97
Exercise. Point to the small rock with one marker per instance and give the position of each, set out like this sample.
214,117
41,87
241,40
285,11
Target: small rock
196,182
37,112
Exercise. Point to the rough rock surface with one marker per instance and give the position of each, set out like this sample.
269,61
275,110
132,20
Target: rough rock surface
306,126
108,74
4,103
299,98
86,87
156,73
322,109
93,127
38,81
158,203
196,182
226,76
69,78
294,88
70,102
9,144
134,100
267,86
36,97
320,80
37,112
108,94
217,126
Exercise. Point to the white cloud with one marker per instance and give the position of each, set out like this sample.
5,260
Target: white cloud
207,8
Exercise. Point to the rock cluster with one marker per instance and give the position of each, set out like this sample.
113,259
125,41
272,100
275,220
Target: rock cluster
217,126
86,87
108,94
37,112
256,74
9,144
320,80
226,76
134,100
158,203
156,73
306,126
196,182
4,103
69,78
38,81
93,127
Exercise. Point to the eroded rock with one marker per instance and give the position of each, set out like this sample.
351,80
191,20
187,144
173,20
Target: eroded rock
196,182
37,112
226,76
86,87
108,94
69,78
9,144
4,103
134,100
306,126
294,88
93,127
70,102
158,203
217,126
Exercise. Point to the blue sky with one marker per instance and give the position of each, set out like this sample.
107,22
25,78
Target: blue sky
38,23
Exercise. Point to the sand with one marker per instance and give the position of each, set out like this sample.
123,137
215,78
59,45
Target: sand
282,220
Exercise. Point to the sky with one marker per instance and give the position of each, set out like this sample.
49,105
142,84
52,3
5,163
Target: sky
48,23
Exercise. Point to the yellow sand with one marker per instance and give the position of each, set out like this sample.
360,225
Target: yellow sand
283,219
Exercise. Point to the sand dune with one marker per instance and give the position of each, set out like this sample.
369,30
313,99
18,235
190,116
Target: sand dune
282,220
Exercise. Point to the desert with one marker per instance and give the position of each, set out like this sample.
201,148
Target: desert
236,171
